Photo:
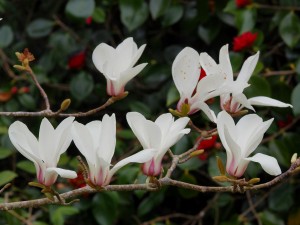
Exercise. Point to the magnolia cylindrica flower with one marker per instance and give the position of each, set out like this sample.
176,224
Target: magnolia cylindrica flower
97,141
116,64
241,139
159,135
45,151
232,98
193,92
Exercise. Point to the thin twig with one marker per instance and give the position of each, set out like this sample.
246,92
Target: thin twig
165,181
66,28
5,187
279,73
42,91
281,131
252,207
276,7
167,217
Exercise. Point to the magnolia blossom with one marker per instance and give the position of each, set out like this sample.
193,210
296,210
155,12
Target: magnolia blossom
116,64
96,141
231,92
45,151
159,135
241,139
193,93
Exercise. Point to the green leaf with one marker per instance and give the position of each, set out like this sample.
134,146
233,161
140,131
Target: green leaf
6,176
26,166
27,101
245,20
153,200
140,107
268,218
289,29
209,33
133,13
81,86
105,207
80,8
295,100
39,28
5,152
158,7
281,199
58,215
172,95
6,36
188,178
259,87
99,15
172,15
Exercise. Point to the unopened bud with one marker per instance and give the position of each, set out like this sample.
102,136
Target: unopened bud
175,112
18,54
220,178
220,166
294,158
197,152
185,109
254,180
65,104
19,67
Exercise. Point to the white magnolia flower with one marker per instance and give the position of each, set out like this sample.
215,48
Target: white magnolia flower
159,135
44,152
96,141
241,140
231,92
116,64
193,93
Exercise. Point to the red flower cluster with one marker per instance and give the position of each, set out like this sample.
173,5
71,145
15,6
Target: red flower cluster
77,60
78,182
206,145
242,3
244,41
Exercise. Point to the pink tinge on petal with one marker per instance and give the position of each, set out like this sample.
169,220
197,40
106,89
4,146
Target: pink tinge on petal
229,105
152,168
40,175
111,89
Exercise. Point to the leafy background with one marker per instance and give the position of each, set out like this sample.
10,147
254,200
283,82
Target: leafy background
56,32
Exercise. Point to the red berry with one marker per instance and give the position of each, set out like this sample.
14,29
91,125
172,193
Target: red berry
89,20
242,3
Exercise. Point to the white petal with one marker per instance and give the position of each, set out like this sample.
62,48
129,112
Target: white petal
225,120
130,73
125,52
225,64
47,142
242,99
140,157
61,172
186,71
207,111
207,87
107,141
248,68
84,142
266,101
146,131
24,141
165,122
268,163
63,133
138,55
208,64
102,54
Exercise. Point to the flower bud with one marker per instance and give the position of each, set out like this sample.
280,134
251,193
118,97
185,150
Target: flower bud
65,104
294,158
